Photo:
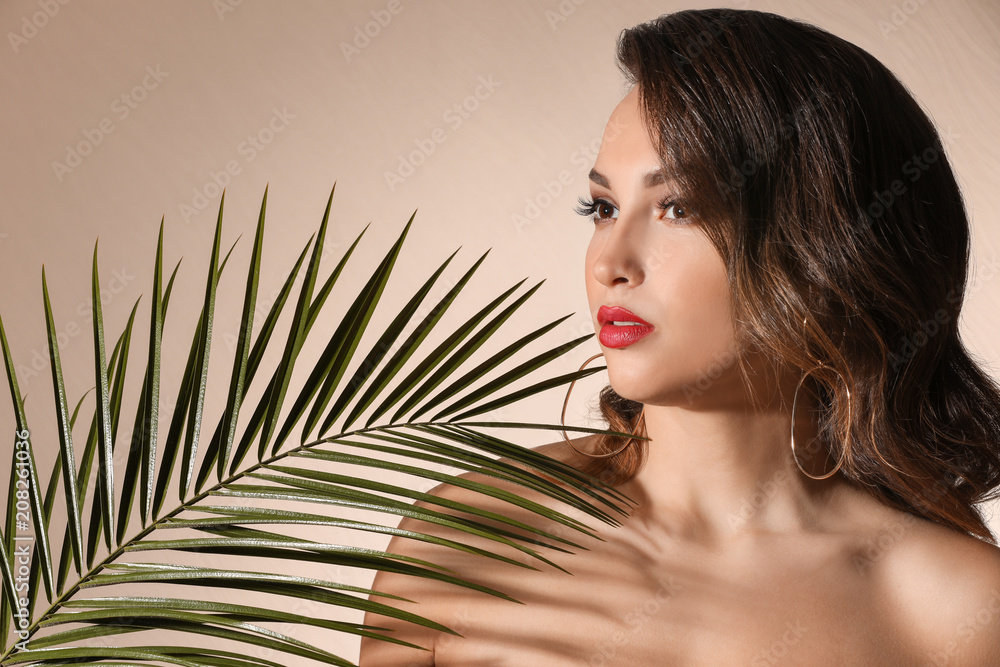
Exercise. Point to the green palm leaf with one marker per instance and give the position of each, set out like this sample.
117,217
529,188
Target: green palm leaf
239,512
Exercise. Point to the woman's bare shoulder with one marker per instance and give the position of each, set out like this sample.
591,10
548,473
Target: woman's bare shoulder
424,538
944,587
558,450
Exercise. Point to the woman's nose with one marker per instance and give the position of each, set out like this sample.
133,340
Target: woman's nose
621,258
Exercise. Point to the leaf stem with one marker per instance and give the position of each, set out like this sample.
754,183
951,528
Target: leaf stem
188,505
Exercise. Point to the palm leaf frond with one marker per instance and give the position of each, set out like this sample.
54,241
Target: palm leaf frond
231,513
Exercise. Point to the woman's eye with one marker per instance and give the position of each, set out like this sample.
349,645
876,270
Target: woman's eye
674,211
598,209
601,209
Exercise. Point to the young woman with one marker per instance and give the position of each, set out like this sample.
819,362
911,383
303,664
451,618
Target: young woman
776,272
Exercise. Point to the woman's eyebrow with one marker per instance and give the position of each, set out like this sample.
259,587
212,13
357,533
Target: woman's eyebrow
649,180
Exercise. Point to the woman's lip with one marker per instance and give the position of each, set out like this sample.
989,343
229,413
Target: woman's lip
608,314
620,336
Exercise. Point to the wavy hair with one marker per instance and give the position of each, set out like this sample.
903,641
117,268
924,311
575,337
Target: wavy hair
826,190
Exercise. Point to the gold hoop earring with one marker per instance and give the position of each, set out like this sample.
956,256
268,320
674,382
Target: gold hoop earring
562,420
795,397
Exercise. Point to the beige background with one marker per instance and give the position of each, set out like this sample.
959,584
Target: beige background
229,70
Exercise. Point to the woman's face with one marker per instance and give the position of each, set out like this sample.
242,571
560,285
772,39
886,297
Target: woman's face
655,263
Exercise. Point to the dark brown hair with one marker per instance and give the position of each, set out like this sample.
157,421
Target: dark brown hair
827,191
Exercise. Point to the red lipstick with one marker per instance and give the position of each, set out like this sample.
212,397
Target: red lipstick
620,327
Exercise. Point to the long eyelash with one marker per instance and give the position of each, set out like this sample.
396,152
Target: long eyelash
587,207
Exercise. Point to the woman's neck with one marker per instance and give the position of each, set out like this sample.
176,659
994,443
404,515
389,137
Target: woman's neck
720,475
